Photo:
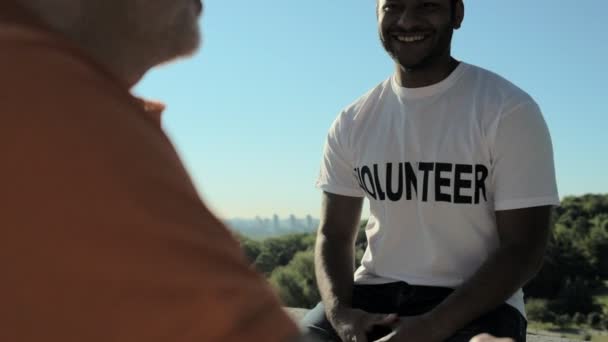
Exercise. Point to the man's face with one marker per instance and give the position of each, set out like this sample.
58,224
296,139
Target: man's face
159,29
414,32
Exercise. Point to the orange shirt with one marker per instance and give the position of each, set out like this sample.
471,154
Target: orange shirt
103,236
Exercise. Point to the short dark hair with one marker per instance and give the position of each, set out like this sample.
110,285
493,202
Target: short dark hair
454,3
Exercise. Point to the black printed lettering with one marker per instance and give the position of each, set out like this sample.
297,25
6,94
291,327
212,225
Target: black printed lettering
481,173
381,195
411,181
365,171
440,182
426,168
394,196
460,183
450,183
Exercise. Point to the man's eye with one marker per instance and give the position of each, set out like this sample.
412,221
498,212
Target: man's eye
389,7
429,5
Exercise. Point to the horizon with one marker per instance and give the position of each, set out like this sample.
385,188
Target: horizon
250,112
364,215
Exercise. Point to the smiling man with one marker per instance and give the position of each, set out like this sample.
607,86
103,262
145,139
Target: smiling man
104,237
457,165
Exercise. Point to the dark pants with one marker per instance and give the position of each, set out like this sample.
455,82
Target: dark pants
408,300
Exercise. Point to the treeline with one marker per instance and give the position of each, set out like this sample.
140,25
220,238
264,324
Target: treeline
288,262
575,267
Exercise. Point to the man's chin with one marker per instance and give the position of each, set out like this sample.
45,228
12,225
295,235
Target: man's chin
193,48
189,47
408,62
184,52
411,66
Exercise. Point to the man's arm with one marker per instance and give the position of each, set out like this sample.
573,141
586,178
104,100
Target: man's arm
334,267
523,237
334,252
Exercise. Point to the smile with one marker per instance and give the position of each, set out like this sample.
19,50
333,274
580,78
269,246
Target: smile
409,38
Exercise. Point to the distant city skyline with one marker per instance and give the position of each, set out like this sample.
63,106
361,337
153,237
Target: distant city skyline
276,219
267,226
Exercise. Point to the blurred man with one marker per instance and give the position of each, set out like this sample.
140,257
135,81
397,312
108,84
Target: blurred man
457,165
104,237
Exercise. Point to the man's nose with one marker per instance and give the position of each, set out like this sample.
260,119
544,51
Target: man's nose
409,19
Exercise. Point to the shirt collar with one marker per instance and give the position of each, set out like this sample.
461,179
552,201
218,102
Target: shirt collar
154,109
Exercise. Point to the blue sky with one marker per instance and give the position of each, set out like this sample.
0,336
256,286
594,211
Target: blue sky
249,113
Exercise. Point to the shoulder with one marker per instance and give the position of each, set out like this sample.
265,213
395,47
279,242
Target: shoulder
496,90
363,106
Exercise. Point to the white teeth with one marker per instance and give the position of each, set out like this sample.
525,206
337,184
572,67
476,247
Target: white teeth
409,39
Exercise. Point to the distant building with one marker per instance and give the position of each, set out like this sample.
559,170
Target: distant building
293,222
276,224
309,223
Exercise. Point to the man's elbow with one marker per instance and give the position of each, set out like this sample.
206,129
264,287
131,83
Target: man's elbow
531,258
536,266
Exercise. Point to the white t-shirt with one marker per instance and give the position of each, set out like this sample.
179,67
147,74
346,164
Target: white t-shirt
435,164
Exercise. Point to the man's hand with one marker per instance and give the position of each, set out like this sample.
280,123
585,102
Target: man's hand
353,324
489,338
413,329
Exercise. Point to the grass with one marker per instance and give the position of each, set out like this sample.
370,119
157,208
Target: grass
574,333
570,332
577,332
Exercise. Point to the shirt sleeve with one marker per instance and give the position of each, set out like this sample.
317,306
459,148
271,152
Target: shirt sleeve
523,167
337,174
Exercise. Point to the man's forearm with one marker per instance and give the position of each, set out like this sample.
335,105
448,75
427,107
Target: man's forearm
334,267
507,270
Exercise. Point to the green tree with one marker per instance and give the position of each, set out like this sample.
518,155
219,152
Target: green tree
563,320
575,297
295,283
251,248
563,262
360,243
596,245
537,310
579,319
595,320
578,247
279,251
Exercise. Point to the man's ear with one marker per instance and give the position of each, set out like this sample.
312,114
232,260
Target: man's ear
458,14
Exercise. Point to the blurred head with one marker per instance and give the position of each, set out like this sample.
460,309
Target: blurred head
129,36
418,33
